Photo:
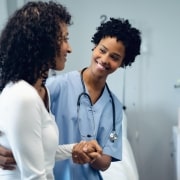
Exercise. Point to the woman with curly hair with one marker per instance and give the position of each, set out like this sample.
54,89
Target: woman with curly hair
34,40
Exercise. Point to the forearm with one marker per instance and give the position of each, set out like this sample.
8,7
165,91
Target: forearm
64,151
101,163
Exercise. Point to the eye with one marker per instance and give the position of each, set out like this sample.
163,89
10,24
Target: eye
102,50
115,57
65,38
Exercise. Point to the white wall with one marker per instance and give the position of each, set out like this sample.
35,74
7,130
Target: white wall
150,96
4,13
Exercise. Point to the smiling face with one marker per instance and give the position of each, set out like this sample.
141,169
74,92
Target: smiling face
65,48
107,56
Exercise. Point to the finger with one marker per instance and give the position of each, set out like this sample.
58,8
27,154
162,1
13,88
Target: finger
88,149
78,147
92,146
97,146
81,145
76,159
7,167
81,158
7,161
5,152
94,155
84,158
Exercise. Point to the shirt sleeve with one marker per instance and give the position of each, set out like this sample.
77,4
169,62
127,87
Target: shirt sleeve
25,136
64,151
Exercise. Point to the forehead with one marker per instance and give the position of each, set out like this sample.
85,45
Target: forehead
112,44
64,28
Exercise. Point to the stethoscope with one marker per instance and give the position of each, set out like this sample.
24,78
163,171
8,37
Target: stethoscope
113,135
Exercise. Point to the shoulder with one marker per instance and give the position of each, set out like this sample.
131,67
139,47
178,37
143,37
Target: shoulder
116,99
21,93
20,100
61,81
60,78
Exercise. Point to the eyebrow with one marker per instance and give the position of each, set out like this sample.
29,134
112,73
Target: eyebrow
114,53
65,34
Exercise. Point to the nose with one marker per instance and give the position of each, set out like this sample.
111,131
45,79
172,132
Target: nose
69,49
105,59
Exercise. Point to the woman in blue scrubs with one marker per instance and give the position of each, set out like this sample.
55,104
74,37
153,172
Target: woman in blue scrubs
85,107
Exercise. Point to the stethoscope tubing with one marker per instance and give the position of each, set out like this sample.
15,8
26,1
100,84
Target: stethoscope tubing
87,95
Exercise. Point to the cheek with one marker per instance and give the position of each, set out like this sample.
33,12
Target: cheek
115,65
95,53
93,57
120,63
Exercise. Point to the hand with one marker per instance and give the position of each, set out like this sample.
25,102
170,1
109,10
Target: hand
7,161
93,150
86,152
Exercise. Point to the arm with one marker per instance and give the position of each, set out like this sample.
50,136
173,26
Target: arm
64,151
111,150
7,161
102,163
87,151
25,136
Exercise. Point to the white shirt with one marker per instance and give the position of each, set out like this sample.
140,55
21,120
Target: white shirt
30,131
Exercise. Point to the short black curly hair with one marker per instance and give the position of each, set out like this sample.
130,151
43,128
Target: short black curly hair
122,30
30,41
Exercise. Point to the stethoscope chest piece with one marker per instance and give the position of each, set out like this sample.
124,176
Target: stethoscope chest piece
113,136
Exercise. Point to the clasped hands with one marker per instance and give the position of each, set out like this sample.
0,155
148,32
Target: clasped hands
83,152
86,152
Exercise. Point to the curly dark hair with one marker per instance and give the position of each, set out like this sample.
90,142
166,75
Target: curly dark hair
30,41
122,30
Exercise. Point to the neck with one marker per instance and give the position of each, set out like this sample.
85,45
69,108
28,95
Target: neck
90,79
39,87
38,84
94,85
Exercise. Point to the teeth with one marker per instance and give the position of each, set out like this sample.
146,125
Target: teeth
101,66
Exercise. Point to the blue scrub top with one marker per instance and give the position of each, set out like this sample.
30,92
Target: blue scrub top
64,92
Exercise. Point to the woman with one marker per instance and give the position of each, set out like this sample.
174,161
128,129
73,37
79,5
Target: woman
88,111
34,39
